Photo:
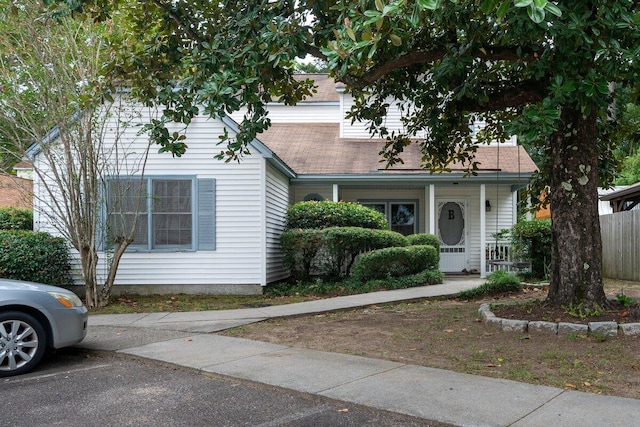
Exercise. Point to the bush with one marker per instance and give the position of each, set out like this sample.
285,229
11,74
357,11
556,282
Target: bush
350,286
533,240
325,214
395,262
344,244
36,257
16,219
424,239
299,248
330,252
498,282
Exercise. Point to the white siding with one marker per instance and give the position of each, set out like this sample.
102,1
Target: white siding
277,202
392,122
309,112
359,129
239,255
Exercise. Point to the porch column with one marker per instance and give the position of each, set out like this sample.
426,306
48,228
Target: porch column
483,231
335,193
432,209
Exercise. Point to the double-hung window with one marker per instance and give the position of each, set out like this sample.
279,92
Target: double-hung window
402,216
162,213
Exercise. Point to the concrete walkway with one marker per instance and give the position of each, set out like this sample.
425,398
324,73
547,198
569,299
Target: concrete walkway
185,339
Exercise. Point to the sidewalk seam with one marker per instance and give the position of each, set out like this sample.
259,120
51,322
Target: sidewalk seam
561,392
404,365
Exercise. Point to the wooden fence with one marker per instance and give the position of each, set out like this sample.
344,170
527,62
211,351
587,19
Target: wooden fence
621,245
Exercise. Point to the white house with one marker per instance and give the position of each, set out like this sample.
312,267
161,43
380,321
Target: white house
218,230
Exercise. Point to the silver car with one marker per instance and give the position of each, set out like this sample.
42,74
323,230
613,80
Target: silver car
33,318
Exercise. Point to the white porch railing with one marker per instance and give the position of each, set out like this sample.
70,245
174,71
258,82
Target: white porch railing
499,255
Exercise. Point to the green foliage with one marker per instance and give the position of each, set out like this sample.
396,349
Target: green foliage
630,172
16,219
325,214
625,300
343,244
330,252
300,247
498,282
36,257
424,239
395,262
314,67
583,310
546,71
532,239
350,286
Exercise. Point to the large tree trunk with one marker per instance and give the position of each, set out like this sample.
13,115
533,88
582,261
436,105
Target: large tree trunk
576,263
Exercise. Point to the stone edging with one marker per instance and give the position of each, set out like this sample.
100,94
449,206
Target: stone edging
534,326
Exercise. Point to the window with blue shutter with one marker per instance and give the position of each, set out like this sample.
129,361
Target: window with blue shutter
162,213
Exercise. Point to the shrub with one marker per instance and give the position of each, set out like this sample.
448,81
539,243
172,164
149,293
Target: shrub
299,248
533,240
351,286
424,239
36,257
498,282
325,214
16,219
330,252
344,244
395,262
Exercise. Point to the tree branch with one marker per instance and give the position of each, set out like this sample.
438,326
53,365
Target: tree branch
518,95
176,18
500,53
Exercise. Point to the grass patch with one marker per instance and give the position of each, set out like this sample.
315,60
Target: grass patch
349,287
275,294
191,302
498,282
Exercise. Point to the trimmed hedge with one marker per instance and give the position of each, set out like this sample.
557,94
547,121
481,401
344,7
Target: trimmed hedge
16,219
299,248
330,252
36,257
395,262
424,239
325,214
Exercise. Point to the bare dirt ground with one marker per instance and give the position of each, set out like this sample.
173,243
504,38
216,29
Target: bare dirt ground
448,334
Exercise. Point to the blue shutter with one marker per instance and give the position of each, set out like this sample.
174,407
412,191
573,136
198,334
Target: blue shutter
206,214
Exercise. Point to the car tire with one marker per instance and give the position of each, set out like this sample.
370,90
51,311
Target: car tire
22,343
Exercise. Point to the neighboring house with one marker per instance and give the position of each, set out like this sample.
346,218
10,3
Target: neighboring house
24,170
605,205
624,198
15,192
219,223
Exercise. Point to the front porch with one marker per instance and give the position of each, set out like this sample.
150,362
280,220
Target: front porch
499,255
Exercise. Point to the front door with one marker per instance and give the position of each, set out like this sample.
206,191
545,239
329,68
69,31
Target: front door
452,230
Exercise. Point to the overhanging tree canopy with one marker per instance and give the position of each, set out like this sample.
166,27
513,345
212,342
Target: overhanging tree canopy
545,70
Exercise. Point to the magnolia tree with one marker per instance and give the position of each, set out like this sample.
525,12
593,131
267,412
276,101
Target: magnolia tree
57,109
547,71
